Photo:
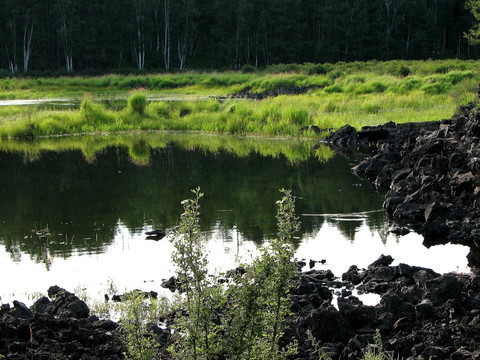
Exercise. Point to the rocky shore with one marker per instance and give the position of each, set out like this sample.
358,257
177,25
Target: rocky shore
430,175
421,313
57,327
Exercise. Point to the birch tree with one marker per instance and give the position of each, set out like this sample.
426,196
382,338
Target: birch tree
186,13
162,36
167,34
12,25
138,41
65,32
27,9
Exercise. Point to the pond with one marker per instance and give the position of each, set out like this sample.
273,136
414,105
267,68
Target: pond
74,210
112,101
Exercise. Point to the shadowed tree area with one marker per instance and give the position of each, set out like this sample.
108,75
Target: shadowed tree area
66,36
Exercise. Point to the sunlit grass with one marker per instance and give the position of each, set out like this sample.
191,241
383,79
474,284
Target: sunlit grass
359,94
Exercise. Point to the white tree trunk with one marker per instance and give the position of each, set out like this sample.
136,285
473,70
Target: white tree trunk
139,44
67,51
166,39
183,41
27,40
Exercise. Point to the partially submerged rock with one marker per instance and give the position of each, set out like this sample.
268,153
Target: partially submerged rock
429,173
420,313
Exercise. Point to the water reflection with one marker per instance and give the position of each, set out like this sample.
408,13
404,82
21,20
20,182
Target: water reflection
79,215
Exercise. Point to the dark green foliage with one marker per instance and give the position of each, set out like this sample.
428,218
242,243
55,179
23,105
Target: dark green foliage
124,36
317,69
400,70
473,35
248,68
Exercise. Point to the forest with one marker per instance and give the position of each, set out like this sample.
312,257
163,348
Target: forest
71,36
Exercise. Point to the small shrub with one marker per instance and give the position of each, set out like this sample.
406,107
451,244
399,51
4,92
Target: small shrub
247,69
137,103
316,69
335,88
254,306
256,321
399,69
140,344
283,68
200,334
435,88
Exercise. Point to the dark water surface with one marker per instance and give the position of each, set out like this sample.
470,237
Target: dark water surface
79,222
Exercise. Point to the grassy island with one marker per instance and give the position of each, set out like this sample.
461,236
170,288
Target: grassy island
281,100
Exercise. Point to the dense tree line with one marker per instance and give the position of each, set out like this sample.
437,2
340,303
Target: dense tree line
74,35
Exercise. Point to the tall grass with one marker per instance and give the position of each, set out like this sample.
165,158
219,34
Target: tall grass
214,83
360,93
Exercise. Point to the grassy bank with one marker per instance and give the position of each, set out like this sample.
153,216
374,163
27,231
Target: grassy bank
359,94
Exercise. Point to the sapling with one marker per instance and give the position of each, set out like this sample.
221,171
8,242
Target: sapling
198,337
247,319
139,343
258,301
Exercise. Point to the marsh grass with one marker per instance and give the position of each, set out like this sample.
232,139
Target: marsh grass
359,93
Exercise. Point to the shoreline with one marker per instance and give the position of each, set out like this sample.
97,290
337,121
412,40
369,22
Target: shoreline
420,313
430,176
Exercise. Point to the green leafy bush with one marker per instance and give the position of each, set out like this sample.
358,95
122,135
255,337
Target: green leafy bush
139,342
254,307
